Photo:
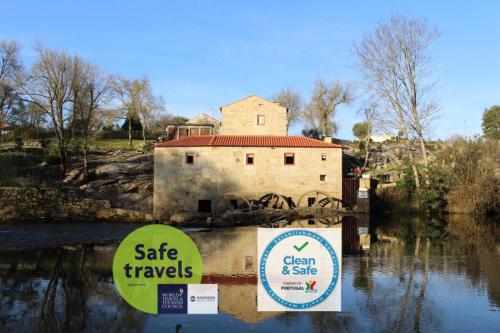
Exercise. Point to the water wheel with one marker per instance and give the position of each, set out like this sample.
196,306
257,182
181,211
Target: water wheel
274,200
230,202
331,203
312,198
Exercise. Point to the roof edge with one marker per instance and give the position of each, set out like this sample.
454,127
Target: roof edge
210,140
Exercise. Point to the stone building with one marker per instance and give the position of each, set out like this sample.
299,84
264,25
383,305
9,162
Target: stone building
253,116
253,156
202,124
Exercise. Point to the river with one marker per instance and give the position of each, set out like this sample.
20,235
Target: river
419,274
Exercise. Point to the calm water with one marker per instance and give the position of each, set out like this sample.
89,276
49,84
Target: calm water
420,274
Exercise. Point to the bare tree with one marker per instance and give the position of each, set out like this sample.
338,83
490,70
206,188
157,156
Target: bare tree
325,99
292,101
37,117
397,70
124,89
91,89
165,119
150,108
50,88
10,77
370,114
137,100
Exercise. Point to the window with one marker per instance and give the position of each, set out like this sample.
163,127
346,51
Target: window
289,158
183,132
322,178
205,206
249,159
189,158
194,131
234,203
311,201
261,119
323,157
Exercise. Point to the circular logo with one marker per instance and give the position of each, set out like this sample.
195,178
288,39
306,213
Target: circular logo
307,272
153,255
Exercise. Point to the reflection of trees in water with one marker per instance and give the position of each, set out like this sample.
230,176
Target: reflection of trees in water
426,245
395,301
478,240
63,293
320,321
331,322
72,290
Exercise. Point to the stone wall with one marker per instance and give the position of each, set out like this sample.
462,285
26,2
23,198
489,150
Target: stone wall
219,170
240,118
17,203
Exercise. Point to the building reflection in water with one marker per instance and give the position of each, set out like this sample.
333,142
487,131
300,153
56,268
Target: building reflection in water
406,283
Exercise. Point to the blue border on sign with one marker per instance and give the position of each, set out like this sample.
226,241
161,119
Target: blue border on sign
263,263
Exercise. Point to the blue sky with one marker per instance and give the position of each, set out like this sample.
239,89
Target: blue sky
204,54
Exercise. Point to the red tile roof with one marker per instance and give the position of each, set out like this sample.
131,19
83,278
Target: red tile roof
247,141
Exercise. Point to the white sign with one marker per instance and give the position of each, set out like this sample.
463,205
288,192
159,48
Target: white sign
188,298
299,269
363,193
202,299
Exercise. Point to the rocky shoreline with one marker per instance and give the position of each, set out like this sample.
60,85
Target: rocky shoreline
61,203
119,189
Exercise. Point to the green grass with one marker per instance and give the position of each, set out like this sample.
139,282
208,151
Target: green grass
115,143
29,143
103,144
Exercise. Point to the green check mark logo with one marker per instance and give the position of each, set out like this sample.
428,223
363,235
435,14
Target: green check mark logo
300,248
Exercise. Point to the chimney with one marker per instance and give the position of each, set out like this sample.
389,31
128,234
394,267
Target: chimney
328,139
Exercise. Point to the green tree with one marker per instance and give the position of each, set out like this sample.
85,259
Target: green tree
19,113
491,122
360,130
135,124
312,133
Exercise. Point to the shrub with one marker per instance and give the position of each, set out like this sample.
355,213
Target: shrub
15,166
471,166
52,156
75,147
18,143
146,147
462,179
431,196
407,181
392,199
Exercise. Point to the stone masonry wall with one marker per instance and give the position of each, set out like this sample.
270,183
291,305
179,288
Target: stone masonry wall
240,118
218,170
17,203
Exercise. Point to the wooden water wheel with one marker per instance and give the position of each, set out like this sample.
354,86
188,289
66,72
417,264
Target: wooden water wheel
230,202
274,200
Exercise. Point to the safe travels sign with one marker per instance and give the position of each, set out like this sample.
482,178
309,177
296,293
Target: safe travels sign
300,269
157,269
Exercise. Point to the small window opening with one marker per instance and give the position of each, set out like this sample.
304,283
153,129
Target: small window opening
322,178
261,119
311,201
250,159
234,203
189,158
323,157
205,206
289,158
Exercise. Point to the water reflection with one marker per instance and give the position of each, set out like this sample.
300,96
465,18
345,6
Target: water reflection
421,274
